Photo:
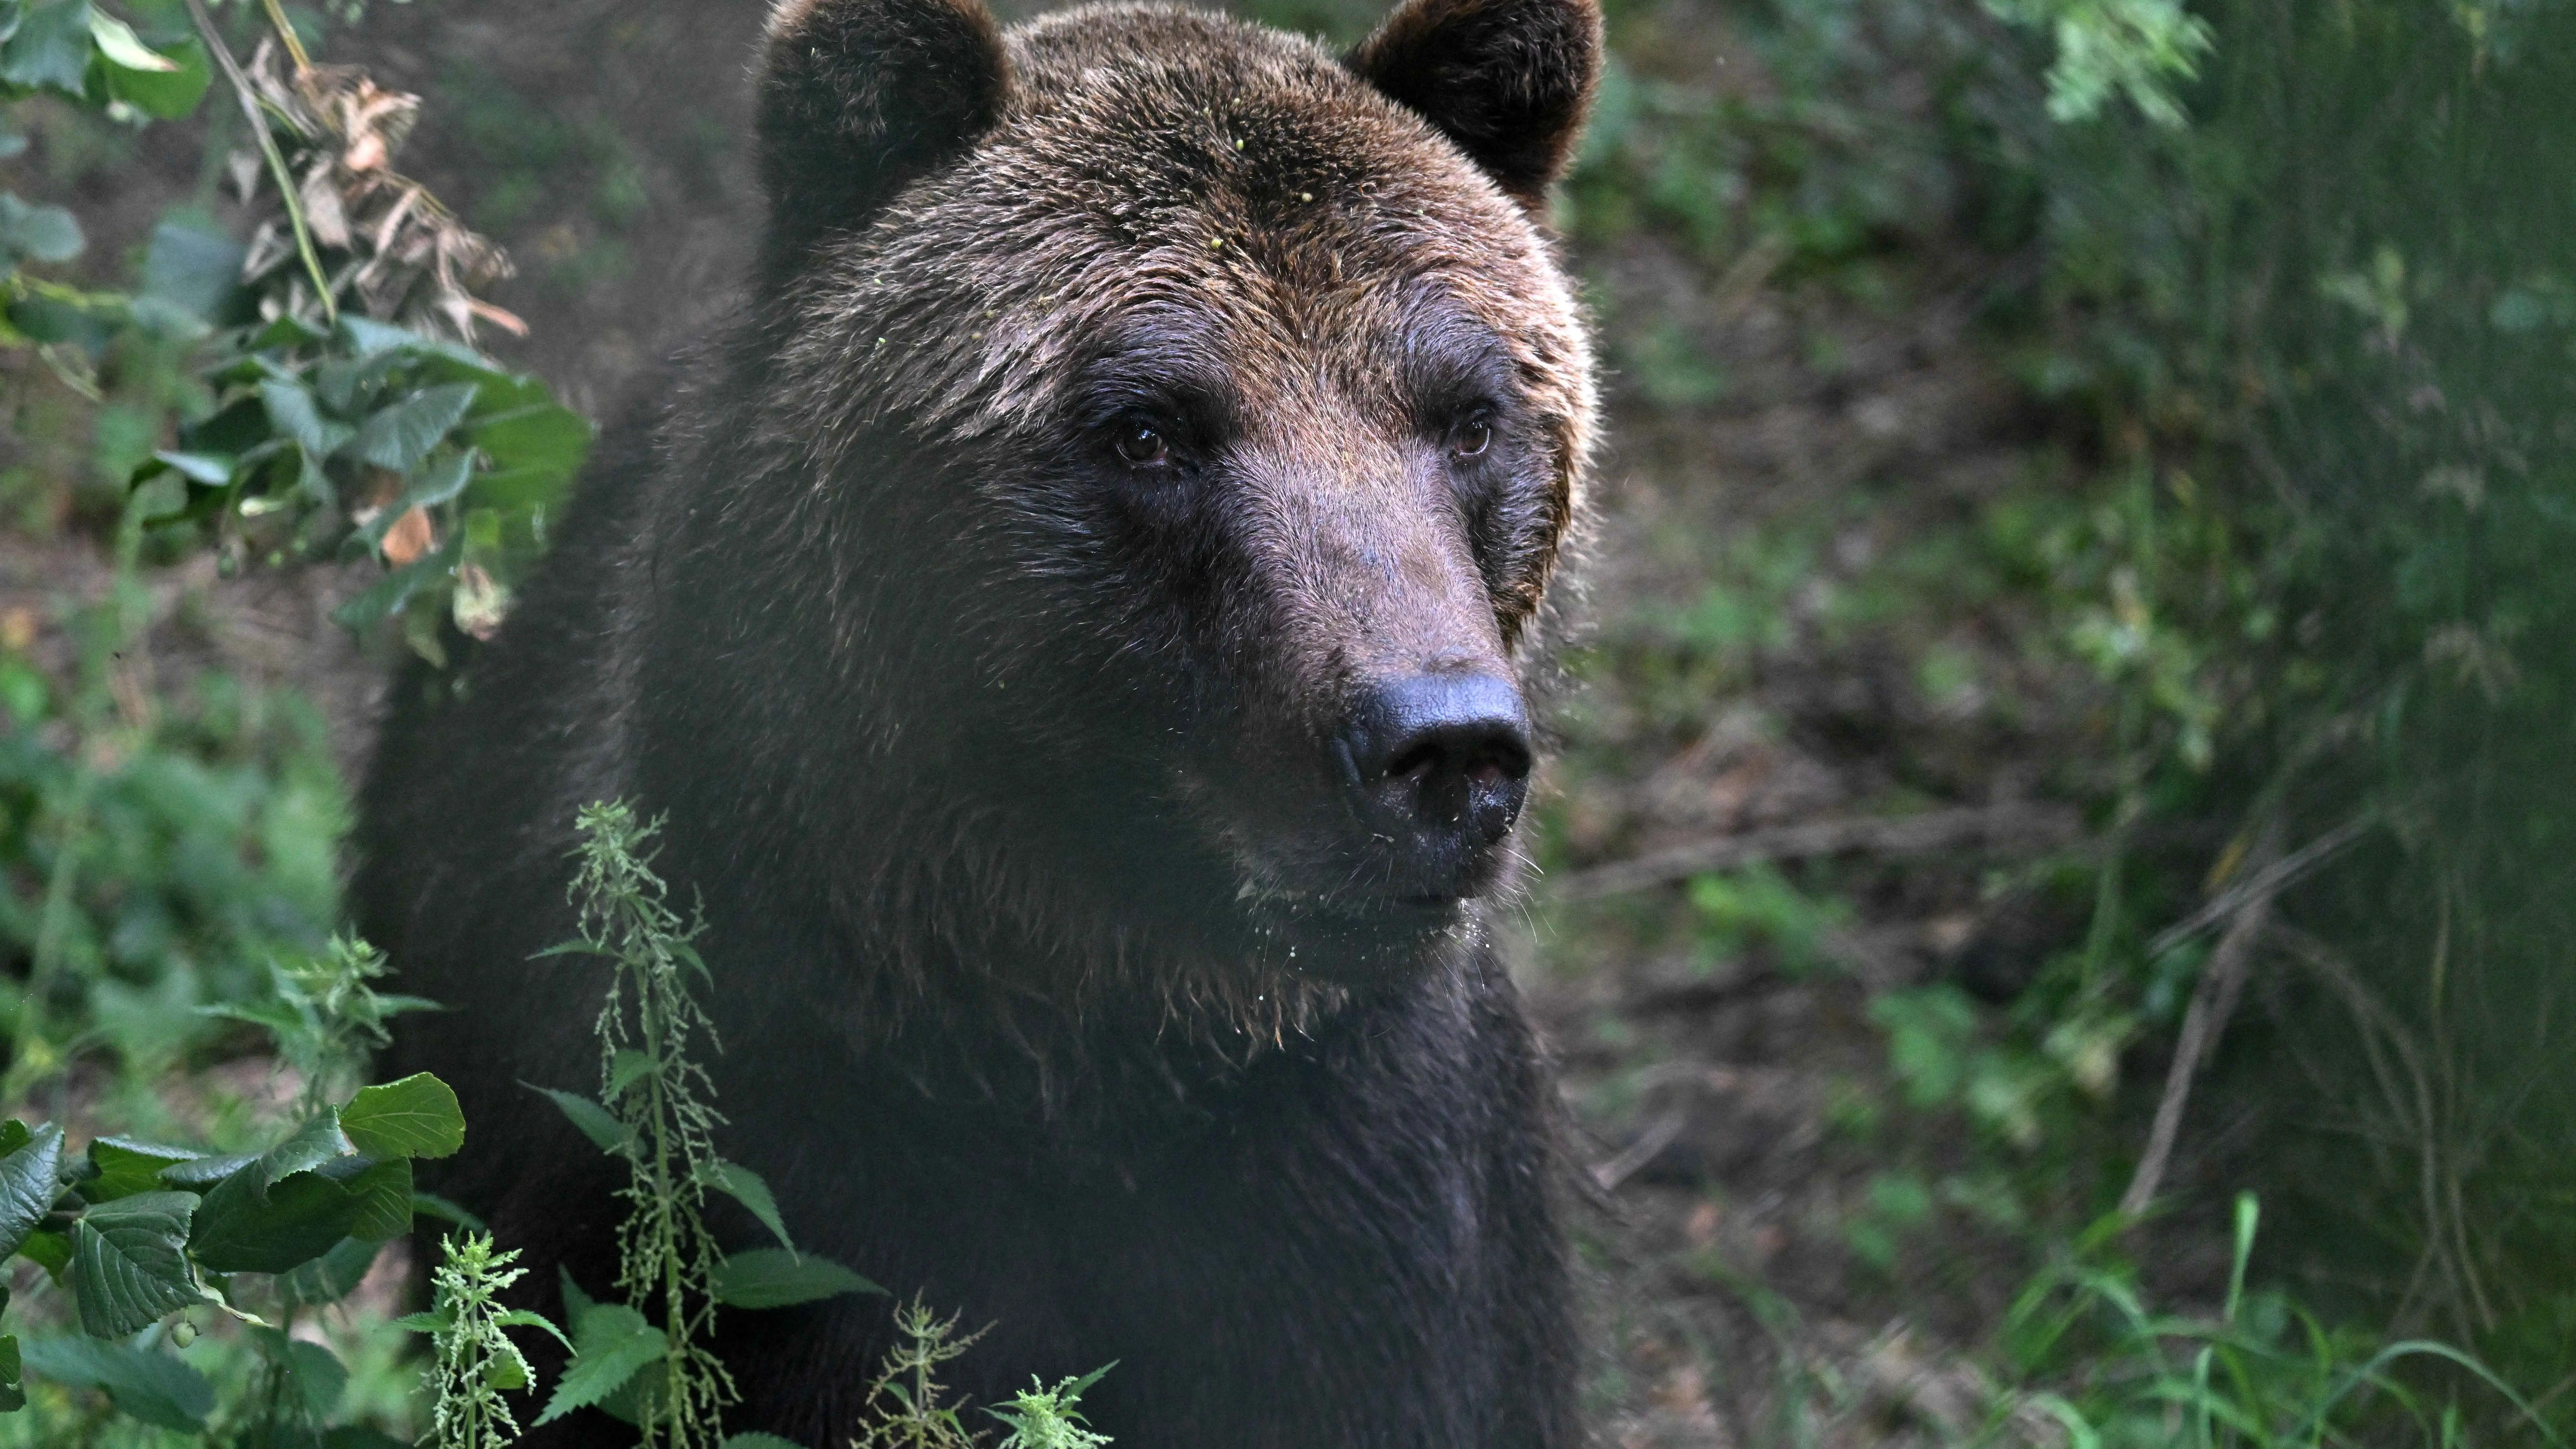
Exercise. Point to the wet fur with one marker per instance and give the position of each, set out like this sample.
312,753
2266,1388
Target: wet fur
1000,788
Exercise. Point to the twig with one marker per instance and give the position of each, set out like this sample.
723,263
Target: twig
2270,880
2015,826
286,32
268,150
2212,1002
1637,1154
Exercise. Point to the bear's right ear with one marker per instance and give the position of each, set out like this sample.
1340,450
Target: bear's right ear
858,97
1509,80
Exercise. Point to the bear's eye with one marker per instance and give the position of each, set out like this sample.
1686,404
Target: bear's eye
1140,444
1471,436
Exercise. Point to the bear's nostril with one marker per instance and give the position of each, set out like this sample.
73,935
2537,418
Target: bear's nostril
1450,752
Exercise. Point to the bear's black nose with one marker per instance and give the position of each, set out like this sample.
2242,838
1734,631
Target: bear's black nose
1446,753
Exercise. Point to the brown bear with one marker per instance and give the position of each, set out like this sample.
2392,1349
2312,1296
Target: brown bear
1079,623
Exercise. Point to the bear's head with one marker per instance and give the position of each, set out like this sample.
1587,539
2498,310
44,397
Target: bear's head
1193,420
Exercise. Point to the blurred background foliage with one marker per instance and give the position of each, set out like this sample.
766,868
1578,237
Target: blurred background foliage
2083,566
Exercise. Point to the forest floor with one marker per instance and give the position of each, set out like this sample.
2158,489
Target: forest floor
1716,1039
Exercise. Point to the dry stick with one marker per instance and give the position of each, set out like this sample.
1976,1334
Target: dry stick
2018,826
2212,1002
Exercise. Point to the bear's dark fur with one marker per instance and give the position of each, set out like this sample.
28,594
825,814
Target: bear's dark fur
1075,625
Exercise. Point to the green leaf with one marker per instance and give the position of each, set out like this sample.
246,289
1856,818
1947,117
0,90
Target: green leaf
14,1134
333,1276
415,1117
760,1441
153,1387
386,596
49,1251
745,1186
624,1070
399,436
614,1344
195,267
244,1228
13,1380
595,1121
384,1201
130,1262
29,1182
316,1374
119,46
526,1318
293,412
212,469
51,47
126,1167
318,1141
37,233
774,1278
544,435
366,337
168,94
205,1172
439,1207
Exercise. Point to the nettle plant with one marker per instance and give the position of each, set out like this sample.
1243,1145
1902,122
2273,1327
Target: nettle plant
645,1357
141,1242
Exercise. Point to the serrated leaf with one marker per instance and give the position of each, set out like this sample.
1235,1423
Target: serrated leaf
614,1344
775,1278
246,1226
526,1318
415,1117
384,1201
126,1167
153,1387
29,1183
130,1262
294,412
576,1302
595,1121
318,1141
746,1187
202,1174
333,1276
398,436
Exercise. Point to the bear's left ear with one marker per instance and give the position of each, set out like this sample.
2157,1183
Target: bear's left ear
860,97
1508,80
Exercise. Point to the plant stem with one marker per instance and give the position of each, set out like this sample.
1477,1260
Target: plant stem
276,159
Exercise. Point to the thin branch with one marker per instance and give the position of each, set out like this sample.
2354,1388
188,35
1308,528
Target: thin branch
2268,880
2212,1002
2019,827
276,159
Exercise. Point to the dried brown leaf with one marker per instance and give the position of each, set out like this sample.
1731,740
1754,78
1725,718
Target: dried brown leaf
409,538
